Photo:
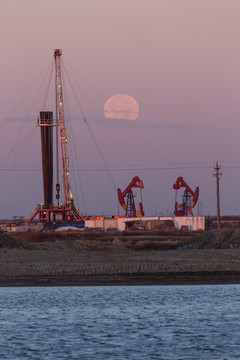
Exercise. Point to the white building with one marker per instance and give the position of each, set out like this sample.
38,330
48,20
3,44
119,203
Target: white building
191,222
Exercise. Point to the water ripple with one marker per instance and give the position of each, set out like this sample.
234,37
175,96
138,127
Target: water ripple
122,322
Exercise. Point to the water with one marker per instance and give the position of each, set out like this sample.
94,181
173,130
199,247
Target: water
122,322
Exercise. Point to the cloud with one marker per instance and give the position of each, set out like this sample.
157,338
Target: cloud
180,127
120,123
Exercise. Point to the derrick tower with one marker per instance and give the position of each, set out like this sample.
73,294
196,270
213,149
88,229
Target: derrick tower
62,130
48,212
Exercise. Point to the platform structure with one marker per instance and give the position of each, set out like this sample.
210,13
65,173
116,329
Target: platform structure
53,214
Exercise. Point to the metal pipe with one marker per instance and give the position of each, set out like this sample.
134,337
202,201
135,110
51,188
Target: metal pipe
46,124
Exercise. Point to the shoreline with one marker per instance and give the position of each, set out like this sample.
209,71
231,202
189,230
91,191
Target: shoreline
162,279
96,259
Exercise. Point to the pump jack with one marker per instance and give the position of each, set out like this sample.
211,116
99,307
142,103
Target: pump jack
189,198
130,209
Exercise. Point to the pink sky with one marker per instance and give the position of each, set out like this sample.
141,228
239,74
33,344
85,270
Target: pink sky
179,59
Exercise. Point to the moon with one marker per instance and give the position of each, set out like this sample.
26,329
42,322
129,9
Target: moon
121,106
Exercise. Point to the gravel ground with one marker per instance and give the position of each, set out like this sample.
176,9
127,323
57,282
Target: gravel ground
119,256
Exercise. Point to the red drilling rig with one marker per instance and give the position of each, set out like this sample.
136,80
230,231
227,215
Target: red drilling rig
189,198
129,207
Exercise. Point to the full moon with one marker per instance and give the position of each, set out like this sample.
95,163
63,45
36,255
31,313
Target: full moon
121,106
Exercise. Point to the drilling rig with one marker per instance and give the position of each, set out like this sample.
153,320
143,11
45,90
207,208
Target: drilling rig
47,212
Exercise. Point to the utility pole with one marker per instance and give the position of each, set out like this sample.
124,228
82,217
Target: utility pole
218,174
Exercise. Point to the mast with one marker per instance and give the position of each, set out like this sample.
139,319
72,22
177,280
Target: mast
62,130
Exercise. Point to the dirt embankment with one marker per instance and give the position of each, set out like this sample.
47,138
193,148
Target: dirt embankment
218,239
129,257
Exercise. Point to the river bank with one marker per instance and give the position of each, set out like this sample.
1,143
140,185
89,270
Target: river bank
73,258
